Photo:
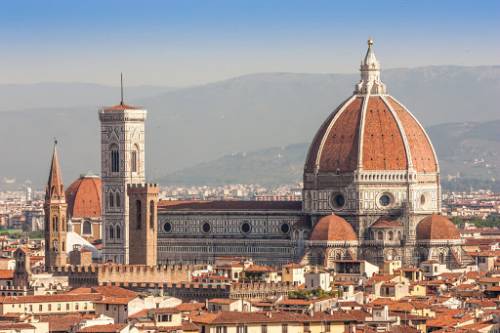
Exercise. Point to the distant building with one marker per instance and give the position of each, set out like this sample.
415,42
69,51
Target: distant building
84,207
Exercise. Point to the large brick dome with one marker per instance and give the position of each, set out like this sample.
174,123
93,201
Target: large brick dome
84,197
333,228
371,131
437,227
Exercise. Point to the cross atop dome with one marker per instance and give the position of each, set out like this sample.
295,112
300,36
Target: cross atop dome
370,74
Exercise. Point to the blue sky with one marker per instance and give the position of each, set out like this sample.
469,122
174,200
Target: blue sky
190,42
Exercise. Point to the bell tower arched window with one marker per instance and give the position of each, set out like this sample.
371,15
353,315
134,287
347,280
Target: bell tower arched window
118,232
111,199
151,214
138,213
134,159
115,158
118,200
55,222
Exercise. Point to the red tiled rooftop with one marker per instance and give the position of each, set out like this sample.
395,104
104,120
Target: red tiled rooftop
436,227
335,146
333,228
84,197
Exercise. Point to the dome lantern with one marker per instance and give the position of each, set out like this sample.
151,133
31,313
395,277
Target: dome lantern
370,74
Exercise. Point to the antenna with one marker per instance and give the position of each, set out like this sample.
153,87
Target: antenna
121,88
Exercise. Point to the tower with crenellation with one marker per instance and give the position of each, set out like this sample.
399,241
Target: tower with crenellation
143,226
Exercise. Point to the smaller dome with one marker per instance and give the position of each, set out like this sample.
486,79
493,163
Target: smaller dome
333,228
84,197
437,227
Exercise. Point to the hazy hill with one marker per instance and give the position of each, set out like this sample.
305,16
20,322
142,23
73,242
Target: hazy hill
66,94
192,125
471,150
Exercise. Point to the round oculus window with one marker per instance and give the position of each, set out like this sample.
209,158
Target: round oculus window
338,200
245,227
167,227
206,227
285,228
384,200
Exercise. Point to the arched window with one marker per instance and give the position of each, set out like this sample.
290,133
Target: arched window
399,235
118,232
138,214
380,235
87,227
115,158
111,232
441,258
63,247
118,200
391,235
55,222
134,159
151,214
111,199
63,224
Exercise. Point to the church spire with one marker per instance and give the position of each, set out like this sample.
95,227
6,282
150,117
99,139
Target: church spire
55,188
370,74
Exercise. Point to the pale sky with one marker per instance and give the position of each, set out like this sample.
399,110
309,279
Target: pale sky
187,42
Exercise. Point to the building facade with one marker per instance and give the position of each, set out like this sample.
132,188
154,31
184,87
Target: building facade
371,192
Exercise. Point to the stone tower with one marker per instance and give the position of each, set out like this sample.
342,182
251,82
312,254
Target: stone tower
143,201
56,224
122,164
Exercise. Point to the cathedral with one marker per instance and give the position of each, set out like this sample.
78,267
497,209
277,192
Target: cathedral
371,192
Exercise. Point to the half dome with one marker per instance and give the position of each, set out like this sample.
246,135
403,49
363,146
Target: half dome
84,197
333,228
437,227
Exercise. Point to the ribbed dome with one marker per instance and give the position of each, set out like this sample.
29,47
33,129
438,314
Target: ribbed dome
333,228
391,139
371,131
436,227
84,197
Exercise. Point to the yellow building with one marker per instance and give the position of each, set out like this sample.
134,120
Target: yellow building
48,304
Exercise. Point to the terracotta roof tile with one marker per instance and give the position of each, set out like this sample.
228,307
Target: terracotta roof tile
436,227
84,197
383,147
333,228
421,149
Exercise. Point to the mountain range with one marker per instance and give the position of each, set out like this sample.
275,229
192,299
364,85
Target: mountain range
192,125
